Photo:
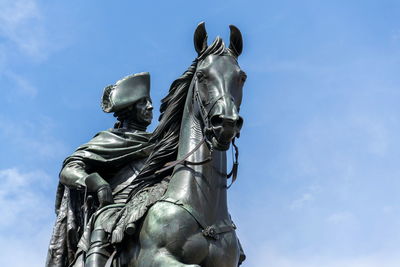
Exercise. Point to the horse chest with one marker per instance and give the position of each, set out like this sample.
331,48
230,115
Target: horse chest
223,252
168,226
209,252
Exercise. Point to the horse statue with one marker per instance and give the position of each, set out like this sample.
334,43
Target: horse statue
190,225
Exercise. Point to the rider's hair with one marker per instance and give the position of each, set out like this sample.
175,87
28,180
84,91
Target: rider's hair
123,115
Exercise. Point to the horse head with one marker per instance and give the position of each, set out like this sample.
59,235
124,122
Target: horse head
217,85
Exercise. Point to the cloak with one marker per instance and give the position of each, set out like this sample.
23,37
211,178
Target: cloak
106,153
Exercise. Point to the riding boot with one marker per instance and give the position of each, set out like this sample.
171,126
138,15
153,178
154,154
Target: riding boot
99,251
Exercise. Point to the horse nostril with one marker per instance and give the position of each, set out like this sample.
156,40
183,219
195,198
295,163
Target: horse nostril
221,120
217,120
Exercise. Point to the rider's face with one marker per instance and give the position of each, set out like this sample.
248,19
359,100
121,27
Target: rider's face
144,111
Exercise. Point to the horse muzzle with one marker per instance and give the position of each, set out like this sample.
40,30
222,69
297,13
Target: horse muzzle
224,129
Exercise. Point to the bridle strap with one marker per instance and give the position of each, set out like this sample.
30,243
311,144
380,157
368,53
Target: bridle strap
203,111
205,116
235,166
172,164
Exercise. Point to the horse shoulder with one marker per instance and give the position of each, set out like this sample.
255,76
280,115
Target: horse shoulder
169,226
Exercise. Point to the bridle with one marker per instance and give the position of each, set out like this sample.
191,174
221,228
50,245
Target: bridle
207,131
205,114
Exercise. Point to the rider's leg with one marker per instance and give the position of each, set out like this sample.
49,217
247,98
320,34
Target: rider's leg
100,249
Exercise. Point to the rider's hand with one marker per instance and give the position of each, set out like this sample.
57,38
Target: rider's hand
104,194
95,183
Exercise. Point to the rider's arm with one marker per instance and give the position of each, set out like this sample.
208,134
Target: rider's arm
73,174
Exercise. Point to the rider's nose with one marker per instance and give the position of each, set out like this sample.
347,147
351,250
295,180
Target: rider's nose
222,120
149,106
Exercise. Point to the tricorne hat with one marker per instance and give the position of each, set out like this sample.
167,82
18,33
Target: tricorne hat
125,92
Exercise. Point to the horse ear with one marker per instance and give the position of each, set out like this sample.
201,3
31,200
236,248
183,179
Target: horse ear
236,41
200,38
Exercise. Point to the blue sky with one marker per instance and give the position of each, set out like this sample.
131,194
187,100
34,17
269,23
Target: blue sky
319,151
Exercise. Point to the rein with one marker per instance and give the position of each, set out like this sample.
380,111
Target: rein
183,160
207,130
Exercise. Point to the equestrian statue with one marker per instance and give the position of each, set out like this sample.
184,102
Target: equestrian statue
137,199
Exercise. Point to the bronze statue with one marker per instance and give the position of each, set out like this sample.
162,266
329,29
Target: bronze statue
174,209
104,167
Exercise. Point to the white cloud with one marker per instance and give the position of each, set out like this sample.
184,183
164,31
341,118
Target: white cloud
26,38
306,198
24,222
21,23
40,142
300,202
23,33
22,85
27,250
21,197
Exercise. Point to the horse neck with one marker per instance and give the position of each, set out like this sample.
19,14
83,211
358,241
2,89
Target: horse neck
203,187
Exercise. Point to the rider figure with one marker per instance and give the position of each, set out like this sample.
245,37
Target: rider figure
105,166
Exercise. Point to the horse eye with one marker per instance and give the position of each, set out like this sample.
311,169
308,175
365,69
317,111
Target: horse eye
244,77
200,75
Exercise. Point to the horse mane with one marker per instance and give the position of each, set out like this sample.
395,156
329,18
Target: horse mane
166,135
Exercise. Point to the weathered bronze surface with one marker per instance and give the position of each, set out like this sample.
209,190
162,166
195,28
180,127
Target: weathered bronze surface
157,199
99,173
